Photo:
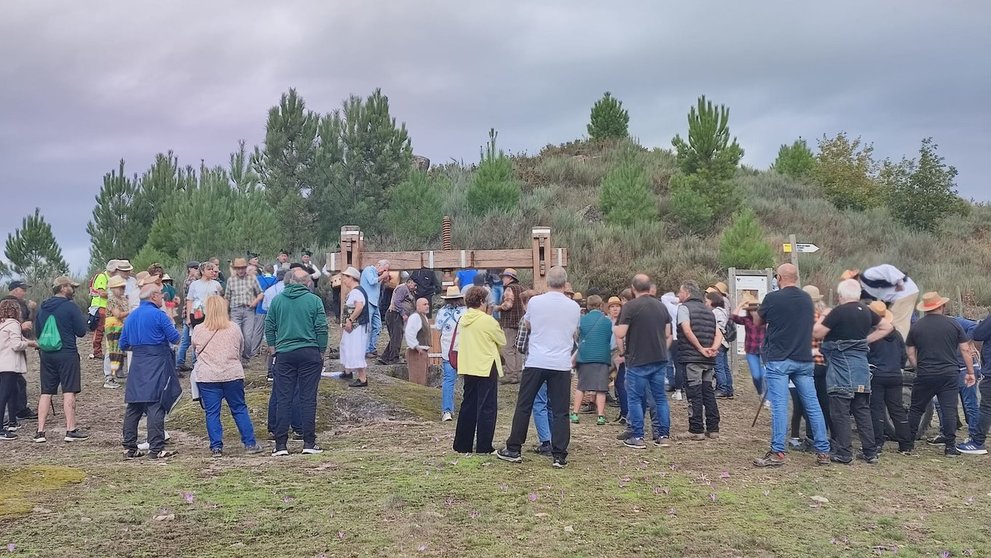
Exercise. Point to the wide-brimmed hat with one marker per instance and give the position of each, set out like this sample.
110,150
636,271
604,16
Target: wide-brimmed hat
749,300
112,266
577,297
452,293
719,287
850,274
881,309
166,277
63,281
931,301
509,272
614,301
124,265
813,291
352,273
116,281
239,263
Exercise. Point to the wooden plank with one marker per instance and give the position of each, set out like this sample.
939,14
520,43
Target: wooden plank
451,259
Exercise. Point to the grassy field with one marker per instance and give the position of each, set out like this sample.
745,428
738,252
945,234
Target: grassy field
390,485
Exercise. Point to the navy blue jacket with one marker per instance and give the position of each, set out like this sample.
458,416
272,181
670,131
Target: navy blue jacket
982,333
68,317
888,355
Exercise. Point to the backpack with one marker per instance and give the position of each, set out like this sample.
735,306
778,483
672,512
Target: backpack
363,318
50,340
729,330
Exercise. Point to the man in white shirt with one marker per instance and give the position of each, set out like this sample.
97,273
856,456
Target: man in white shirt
417,336
890,285
553,321
131,290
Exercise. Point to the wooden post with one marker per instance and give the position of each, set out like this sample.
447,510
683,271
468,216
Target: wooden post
542,250
350,254
731,353
794,257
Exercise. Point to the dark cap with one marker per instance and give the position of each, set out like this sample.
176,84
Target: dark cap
18,285
295,265
306,253
192,264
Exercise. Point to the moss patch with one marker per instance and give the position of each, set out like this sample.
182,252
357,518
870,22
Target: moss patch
22,484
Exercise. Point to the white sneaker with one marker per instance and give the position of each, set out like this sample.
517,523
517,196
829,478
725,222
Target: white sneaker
677,396
446,417
313,451
143,446
767,404
325,374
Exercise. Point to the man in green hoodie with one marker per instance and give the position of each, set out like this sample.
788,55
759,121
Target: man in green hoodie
296,333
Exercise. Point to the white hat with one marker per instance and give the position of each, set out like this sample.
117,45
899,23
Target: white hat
352,273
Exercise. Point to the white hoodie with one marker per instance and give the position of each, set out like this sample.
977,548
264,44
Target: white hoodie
672,303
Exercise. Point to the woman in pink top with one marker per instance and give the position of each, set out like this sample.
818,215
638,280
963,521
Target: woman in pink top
219,375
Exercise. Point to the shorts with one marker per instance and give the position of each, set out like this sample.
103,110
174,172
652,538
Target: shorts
60,369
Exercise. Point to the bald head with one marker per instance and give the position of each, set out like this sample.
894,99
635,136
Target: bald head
787,275
641,283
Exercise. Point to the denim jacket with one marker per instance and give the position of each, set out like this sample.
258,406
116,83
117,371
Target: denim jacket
847,370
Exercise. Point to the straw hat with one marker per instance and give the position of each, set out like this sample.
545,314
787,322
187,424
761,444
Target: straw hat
719,287
931,301
577,297
614,301
881,309
850,274
452,293
509,272
352,273
749,300
63,281
116,281
813,291
239,263
111,266
124,265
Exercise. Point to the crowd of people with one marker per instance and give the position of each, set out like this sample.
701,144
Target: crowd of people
631,351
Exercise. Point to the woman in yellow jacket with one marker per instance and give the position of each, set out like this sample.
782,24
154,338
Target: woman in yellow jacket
479,339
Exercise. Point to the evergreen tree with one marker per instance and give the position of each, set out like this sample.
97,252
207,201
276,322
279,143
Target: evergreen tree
689,205
285,167
708,150
847,173
362,154
494,186
743,245
33,252
922,193
795,160
626,197
415,208
113,230
609,120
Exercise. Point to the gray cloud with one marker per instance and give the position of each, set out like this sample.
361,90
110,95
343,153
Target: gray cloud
85,87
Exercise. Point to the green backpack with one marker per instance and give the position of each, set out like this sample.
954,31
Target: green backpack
50,339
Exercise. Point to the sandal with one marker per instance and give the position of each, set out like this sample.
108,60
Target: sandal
601,421
573,417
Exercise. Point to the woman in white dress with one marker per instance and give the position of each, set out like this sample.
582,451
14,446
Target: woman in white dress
354,336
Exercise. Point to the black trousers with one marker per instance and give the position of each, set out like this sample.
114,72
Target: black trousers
558,399
156,425
886,394
841,408
982,429
797,412
477,418
8,397
335,303
394,325
819,375
297,370
946,389
701,398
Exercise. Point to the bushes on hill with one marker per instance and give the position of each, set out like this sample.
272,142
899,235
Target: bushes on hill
626,197
742,244
922,191
494,187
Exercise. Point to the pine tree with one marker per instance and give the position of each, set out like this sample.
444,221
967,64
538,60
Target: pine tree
689,205
795,160
415,208
33,252
113,230
608,120
743,245
626,197
709,150
922,193
494,186
362,154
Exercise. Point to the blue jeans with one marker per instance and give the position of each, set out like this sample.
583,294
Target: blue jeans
971,408
211,395
801,374
184,345
374,328
541,416
669,375
724,376
638,380
447,387
757,372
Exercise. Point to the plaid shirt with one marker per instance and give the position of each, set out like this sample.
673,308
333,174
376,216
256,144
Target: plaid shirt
817,346
755,334
523,337
242,292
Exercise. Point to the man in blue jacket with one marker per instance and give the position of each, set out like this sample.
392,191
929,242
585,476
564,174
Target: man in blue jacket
982,333
153,383
61,367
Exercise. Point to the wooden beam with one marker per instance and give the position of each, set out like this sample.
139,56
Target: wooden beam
448,259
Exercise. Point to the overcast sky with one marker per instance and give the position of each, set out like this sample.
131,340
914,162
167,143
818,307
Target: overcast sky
86,84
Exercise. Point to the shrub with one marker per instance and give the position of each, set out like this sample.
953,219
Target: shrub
494,187
609,120
847,173
795,160
626,197
922,192
688,205
743,245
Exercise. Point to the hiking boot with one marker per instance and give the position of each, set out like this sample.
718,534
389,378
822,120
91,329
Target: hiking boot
255,449
7,435
164,454
559,463
39,438
937,441
216,452
841,460
573,417
358,384
952,451
972,448
506,454
822,459
697,437
544,448
601,421
446,417
770,459
662,441
133,454
76,435
315,450
635,443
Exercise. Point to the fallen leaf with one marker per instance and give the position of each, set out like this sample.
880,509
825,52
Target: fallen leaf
541,515
820,499
569,529
165,517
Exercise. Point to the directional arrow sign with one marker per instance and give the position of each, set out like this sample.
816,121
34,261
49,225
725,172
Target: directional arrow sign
800,248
